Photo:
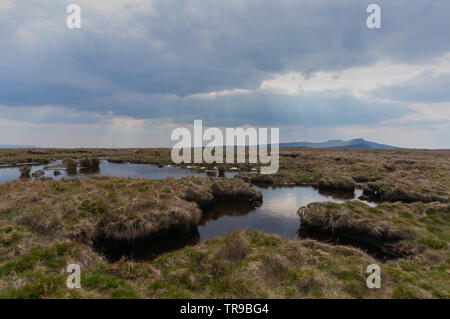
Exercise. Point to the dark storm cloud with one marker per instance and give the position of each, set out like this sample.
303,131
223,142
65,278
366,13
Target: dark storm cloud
145,63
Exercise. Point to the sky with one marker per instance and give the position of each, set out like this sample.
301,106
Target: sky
138,69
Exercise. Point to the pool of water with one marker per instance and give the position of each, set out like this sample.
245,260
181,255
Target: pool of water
109,169
278,213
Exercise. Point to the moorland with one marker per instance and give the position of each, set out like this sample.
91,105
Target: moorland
46,225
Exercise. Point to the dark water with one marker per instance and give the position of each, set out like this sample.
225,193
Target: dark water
110,169
278,213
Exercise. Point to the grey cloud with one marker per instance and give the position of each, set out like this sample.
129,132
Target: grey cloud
52,114
423,89
260,108
145,65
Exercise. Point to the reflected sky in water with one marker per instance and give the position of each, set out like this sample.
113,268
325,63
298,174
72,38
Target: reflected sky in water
109,169
278,213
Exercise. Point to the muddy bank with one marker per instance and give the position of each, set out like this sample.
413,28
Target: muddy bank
324,185
145,249
363,226
376,251
384,192
223,190
337,184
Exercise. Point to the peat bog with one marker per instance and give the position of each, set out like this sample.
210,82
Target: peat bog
146,234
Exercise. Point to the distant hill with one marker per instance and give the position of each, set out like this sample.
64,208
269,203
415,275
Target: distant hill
355,143
16,146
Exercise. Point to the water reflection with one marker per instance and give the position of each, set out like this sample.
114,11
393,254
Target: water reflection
89,170
150,171
9,174
278,213
211,173
337,194
219,210
108,169
71,172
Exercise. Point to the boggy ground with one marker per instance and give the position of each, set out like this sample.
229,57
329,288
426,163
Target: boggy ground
397,229
118,209
239,265
46,225
44,155
416,234
384,175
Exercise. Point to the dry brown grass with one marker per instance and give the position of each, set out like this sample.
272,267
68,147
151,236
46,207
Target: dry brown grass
116,208
44,225
240,265
397,229
386,175
25,171
235,248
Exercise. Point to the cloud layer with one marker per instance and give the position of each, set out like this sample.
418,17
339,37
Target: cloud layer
138,68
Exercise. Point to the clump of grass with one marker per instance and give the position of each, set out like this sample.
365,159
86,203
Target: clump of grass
221,169
337,183
25,171
218,269
397,229
71,166
235,248
41,222
261,179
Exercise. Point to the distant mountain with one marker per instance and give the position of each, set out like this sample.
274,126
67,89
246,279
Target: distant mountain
355,143
17,146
